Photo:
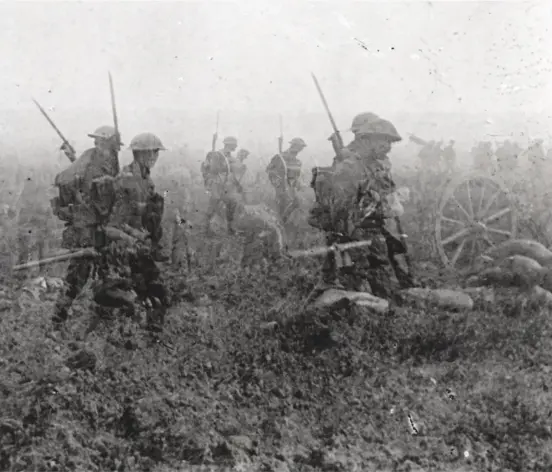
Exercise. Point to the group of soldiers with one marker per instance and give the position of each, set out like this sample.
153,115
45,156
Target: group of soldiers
113,216
223,178
434,156
352,201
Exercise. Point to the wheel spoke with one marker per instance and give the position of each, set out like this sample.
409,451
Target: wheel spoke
472,249
499,231
455,236
459,205
458,252
497,215
470,202
490,203
480,205
452,220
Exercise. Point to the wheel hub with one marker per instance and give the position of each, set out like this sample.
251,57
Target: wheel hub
479,227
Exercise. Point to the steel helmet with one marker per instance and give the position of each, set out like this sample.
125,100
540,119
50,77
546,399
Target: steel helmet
103,132
361,119
230,140
298,142
380,127
146,142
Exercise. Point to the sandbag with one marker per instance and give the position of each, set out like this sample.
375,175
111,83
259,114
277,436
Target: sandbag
541,296
526,271
443,298
521,247
494,276
334,297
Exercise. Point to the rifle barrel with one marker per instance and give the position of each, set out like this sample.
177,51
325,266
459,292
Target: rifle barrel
320,251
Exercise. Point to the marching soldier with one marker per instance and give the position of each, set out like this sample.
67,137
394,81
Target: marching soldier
74,207
220,171
284,172
137,211
352,205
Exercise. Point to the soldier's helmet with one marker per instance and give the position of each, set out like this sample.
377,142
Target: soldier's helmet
103,132
298,142
380,127
361,120
146,142
230,140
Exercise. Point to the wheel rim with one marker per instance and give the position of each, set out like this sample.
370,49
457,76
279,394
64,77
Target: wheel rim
476,212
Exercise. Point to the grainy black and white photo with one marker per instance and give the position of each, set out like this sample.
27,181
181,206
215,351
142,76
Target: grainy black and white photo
276,236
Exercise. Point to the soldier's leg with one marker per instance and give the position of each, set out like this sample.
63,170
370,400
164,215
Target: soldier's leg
231,206
212,207
374,267
77,276
150,288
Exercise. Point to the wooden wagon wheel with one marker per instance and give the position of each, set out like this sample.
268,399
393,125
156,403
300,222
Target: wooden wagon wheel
476,212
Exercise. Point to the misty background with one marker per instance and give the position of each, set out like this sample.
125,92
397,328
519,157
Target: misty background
467,71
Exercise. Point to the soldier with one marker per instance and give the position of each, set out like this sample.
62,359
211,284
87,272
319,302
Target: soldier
137,210
284,172
219,174
75,208
352,206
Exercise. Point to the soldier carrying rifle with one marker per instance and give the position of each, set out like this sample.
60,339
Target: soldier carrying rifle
284,172
352,204
221,173
74,207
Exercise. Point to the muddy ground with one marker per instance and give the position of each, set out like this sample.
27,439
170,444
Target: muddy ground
245,379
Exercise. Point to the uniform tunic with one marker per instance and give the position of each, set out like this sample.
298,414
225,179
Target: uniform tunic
222,174
351,206
284,172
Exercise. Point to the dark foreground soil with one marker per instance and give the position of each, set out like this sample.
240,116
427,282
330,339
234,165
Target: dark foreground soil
245,379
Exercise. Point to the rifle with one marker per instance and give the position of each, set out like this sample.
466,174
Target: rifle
111,233
81,254
337,248
336,139
281,138
215,134
72,156
115,120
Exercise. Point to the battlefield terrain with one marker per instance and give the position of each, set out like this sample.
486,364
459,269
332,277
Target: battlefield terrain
247,377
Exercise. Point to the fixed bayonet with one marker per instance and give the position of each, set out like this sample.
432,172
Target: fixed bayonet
72,155
215,134
338,142
114,110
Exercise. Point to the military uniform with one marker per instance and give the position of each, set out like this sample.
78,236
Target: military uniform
136,210
284,172
221,173
351,206
76,207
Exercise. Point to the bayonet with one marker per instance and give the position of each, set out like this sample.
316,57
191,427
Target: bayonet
338,141
72,153
215,134
114,110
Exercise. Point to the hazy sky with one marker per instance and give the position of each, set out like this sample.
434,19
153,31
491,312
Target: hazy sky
256,56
